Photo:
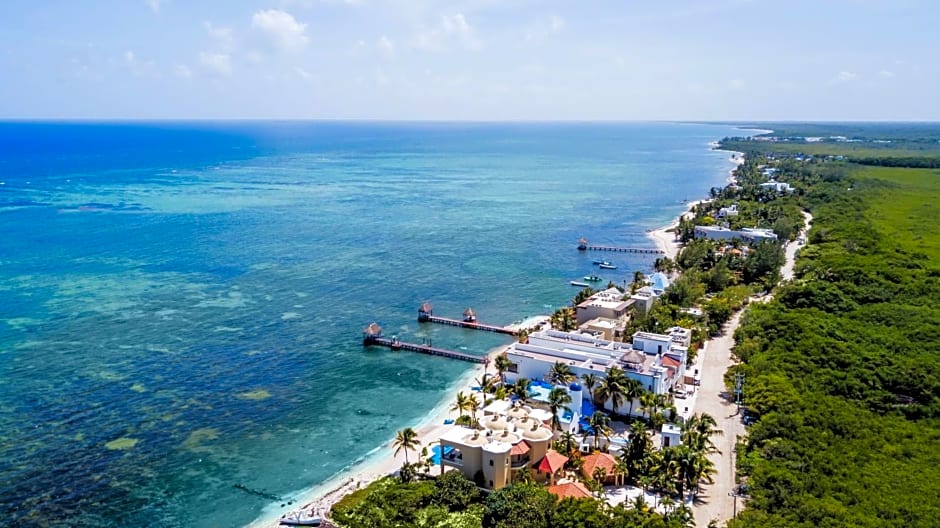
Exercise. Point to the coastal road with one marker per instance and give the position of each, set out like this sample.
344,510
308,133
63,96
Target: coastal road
716,501
786,271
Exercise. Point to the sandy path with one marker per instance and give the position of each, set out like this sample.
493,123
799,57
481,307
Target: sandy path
715,501
786,271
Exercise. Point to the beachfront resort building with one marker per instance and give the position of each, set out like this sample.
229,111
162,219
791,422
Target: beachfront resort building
605,304
747,234
780,187
657,361
512,437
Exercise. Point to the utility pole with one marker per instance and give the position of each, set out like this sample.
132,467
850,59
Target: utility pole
738,389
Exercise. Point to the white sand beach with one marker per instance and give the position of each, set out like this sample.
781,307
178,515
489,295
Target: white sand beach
321,498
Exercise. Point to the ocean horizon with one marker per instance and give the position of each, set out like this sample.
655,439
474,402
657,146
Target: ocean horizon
181,302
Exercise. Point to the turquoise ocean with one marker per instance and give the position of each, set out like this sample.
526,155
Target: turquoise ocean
181,304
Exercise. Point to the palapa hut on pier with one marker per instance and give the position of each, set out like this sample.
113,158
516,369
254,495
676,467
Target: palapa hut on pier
469,316
371,332
425,311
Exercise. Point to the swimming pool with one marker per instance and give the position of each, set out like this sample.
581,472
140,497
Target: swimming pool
437,453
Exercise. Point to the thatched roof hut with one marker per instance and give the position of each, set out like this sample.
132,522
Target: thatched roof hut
469,315
373,330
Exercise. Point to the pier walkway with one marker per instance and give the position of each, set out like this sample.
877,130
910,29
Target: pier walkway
583,245
395,344
624,249
426,315
467,324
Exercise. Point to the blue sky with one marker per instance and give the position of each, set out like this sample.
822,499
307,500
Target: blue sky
471,59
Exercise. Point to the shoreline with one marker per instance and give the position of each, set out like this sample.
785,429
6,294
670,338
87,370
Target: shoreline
381,461
663,237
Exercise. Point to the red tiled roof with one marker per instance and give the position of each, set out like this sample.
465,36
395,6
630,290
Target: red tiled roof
669,361
552,461
596,460
570,489
521,448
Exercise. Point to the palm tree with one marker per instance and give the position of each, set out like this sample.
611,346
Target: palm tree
568,441
632,390
611,387
485,382
502,363
590,381
647,403
472,404
523,335
638,280
521,389
622,471
564,319
560,374
558,399
406,439
600,423
460,403
641,446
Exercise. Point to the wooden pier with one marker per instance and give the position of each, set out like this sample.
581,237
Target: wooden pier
426,315
583,245
395,344
624,249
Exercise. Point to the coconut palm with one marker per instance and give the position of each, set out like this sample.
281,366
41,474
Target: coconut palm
523,335
502,364
521,389
568,442
622,470
407,440
560,374
472,404
697,432
600,423
590,381
647,403
460,403
611,388
638,281
564,319
558,399
486,383
632,389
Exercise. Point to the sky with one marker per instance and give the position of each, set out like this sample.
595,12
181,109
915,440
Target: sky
724,60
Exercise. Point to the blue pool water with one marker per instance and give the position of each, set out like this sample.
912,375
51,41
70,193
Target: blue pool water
181,303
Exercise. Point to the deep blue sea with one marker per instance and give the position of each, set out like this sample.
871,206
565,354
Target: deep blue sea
181,303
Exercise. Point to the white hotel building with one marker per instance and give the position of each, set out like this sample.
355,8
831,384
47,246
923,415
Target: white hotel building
657,361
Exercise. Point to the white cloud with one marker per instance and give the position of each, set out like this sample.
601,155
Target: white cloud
216,63
154,5
544,27
452,29
846,76
302,73
225,36
386,45
140,68
886,73
282,28
182,71
736,84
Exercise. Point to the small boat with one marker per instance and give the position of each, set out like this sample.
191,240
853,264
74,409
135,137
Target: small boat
592,278
301,519
607,265
601,262
580,284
